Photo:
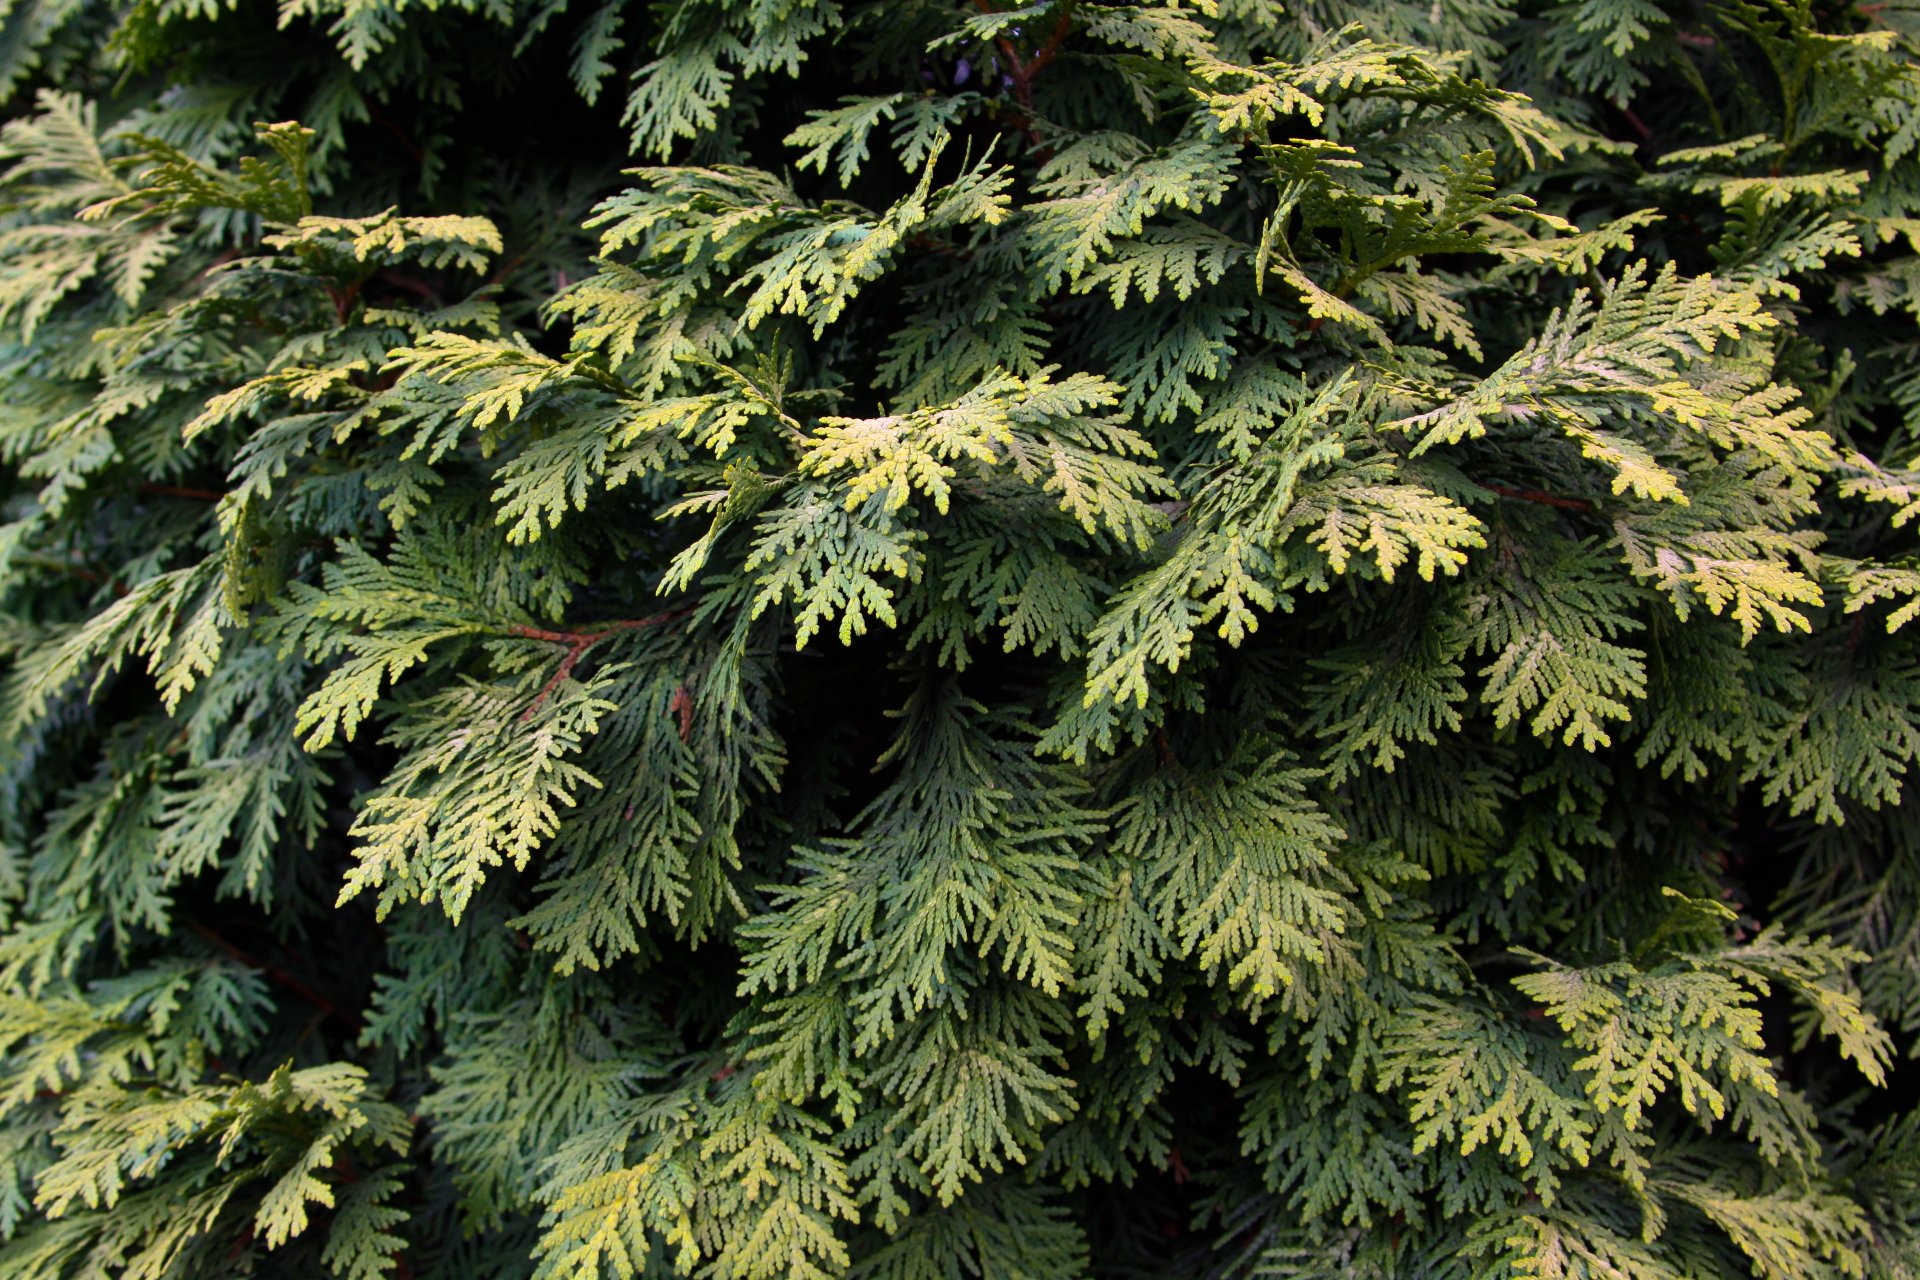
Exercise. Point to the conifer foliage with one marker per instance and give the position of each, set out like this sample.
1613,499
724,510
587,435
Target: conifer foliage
765,639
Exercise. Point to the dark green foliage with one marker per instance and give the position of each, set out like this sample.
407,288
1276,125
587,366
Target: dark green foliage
1189,639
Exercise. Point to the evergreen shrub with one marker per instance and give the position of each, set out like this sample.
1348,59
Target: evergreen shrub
759,639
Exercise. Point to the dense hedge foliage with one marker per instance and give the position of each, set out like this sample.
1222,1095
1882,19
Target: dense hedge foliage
1217,638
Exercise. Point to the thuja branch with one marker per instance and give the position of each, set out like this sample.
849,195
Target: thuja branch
578,643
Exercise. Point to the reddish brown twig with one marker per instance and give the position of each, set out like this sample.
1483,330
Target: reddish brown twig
220,259
1021,71
343,300
1543,499
181,491
80,571
241,1243
931,245
507,268
681,705
1167,759
405,139
410,284
579,642
1045,53
1176,1166
274,973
